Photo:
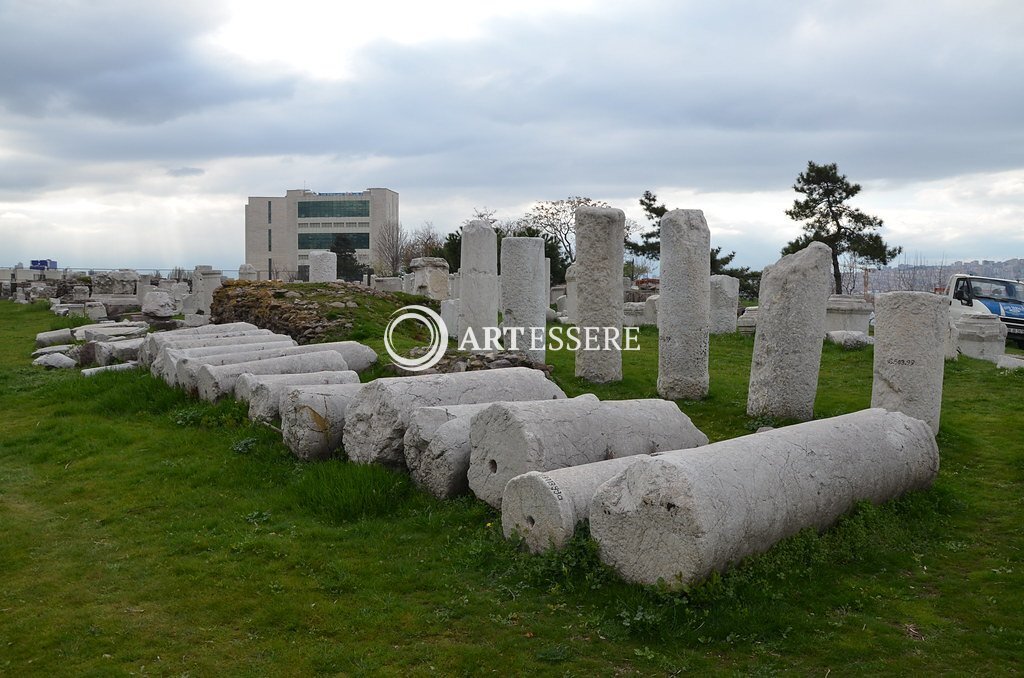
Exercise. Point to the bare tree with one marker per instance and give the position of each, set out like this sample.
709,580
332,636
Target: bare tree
423,242
482,214
390,243
850,267
557,218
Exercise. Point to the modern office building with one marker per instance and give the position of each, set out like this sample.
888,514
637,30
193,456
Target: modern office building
281,232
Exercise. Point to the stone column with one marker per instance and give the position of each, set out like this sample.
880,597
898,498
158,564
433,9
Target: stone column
211,282
478,269
910,340
571,296
682,515
683,315
790,331
523,294
323,267
725,301
600,233
142,288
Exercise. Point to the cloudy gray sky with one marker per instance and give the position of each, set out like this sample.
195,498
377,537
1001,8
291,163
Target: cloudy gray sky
132,132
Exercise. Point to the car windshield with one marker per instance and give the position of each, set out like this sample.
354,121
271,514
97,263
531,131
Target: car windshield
1000,290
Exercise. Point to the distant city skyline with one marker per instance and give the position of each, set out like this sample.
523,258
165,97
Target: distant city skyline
140,151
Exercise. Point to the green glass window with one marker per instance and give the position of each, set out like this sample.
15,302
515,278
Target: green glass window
334,208
324,241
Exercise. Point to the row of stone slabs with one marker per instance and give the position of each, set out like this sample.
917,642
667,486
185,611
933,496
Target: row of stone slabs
661,503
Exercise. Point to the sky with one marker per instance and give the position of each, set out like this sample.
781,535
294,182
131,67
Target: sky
132,132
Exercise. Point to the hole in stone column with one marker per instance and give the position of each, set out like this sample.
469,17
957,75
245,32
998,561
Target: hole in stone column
493,465
670,506
530,521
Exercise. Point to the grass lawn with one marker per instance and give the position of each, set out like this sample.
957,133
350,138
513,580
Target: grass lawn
143,532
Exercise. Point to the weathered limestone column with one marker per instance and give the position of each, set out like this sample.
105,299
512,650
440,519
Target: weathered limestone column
683,305
910,336
437,448
544,508
682,515
478,281
142,288
313,418
216,381
375,424
211,281
790,332
600,233
725,302
450,315
323,267
430,277
571,294
265,399
524,294
510,438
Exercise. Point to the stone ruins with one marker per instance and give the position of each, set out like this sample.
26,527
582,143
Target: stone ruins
662,503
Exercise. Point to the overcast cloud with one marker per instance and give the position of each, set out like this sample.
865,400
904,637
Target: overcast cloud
131,135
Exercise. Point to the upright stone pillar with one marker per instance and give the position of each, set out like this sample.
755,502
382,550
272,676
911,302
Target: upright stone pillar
571,296
790,331
211,282
524,294
323,267
142,288
683,317
725,301
600,233
910,340
477,281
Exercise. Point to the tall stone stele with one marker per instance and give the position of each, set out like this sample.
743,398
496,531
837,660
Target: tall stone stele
790,331
524,293
478,281
725,301
910,351
323,267
571,294
600,234
683,305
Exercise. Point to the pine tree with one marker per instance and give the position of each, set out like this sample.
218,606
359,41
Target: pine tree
830,220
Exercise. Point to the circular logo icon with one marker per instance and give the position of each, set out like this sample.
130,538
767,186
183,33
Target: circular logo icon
438,337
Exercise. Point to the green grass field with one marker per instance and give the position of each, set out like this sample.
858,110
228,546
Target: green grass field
143,532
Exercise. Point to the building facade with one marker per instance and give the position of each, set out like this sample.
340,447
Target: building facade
281,232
